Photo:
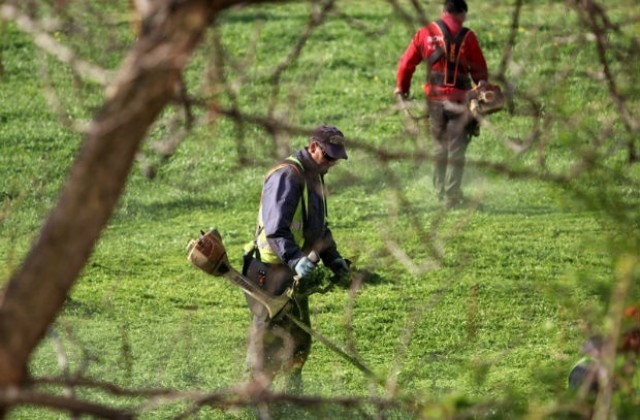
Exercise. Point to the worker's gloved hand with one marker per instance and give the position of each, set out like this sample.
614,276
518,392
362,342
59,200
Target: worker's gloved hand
397,91
340,266
304,267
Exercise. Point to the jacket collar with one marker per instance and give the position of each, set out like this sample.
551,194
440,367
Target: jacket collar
306,160
309,165
453,23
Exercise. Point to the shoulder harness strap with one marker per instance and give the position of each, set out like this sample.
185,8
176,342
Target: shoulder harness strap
297,165
299,170
451,52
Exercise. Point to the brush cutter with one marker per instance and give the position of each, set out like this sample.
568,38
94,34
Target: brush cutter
209,254
485,99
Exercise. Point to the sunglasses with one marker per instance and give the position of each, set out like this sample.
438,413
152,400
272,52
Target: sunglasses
326,157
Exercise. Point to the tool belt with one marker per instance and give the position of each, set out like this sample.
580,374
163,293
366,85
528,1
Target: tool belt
274,279
438,79
277,279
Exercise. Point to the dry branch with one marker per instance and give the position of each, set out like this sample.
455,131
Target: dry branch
49,44
144,85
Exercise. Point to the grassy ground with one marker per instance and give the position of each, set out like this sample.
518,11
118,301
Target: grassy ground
499,318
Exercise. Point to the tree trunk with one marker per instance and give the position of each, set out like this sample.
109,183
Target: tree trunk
142,88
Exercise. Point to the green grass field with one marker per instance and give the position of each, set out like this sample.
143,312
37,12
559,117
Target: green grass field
497,321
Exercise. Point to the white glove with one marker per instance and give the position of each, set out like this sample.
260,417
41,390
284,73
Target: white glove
304,267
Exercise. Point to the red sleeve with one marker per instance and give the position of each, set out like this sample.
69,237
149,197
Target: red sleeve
475,58
408,62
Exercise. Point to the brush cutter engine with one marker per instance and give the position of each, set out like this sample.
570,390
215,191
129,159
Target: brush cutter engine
485,99
208,253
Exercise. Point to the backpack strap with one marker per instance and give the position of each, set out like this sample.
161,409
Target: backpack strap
451,52
299,170
292,162
439,52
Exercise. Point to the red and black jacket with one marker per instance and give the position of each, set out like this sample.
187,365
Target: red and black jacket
453,57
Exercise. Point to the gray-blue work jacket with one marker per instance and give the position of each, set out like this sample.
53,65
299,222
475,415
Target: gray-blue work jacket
281,193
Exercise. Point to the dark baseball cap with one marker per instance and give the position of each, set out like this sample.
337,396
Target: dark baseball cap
332,141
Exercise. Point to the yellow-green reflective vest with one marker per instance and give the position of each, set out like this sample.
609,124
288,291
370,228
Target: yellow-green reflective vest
297,224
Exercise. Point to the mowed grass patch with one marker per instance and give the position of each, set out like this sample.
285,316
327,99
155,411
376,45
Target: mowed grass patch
492,303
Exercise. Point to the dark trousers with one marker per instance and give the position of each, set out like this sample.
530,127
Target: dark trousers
277,345
451,132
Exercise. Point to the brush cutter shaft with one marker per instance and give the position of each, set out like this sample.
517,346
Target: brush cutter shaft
209,254
274,304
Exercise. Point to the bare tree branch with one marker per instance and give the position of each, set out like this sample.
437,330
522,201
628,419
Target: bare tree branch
49,44
144,85
150,79
12,396
593,15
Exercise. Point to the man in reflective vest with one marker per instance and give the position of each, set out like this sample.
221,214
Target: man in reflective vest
292,222
453,58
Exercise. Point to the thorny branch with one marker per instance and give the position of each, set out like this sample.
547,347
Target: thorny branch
358,25
218,84
501,75
384,154
14,397
316,19
244,395
49,44
409,17
591,14
596,19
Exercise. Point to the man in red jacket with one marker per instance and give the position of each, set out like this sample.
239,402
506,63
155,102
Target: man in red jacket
454,59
